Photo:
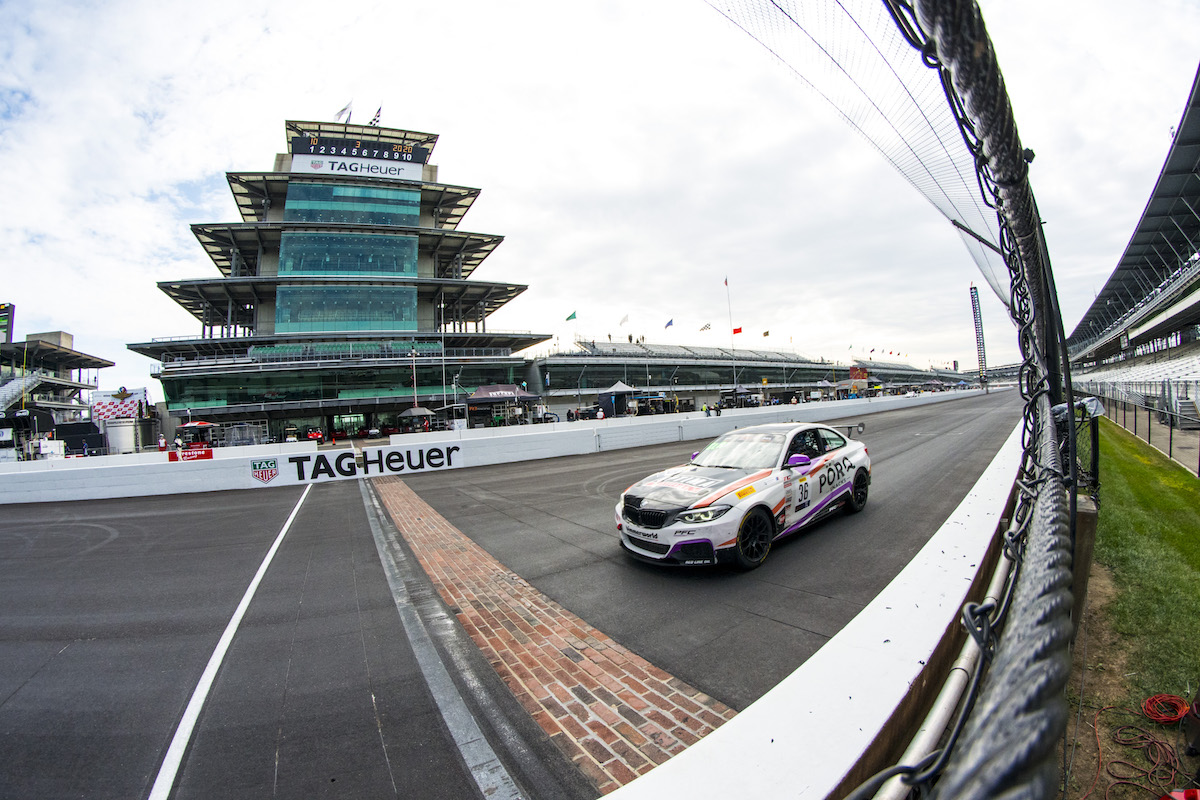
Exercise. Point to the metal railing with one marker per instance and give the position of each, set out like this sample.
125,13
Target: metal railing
1156,414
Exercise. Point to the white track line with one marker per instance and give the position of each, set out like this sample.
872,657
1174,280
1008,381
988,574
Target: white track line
183,734
489,772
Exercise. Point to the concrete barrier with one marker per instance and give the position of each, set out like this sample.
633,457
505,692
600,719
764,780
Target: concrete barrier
257,466
137,474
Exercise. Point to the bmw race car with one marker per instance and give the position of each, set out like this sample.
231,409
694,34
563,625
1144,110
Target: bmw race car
748,488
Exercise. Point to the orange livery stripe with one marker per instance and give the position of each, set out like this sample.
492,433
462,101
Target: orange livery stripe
733,487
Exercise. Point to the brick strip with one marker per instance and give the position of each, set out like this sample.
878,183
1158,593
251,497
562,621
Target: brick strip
614,714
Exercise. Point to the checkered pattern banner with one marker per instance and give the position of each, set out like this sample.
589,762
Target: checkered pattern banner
118,404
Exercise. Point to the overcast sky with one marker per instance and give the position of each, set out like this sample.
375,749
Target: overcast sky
633,153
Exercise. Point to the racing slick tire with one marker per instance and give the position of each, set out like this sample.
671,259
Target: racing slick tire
857,499
754,539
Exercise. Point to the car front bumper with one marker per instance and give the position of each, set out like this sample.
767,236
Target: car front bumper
683,545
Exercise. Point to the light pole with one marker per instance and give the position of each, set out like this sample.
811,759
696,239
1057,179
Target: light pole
414,375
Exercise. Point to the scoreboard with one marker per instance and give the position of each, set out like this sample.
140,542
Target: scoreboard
358,148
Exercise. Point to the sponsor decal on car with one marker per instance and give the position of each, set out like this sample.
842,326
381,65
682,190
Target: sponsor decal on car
742,494
835,474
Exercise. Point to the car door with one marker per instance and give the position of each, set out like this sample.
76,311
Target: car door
837,468
801,495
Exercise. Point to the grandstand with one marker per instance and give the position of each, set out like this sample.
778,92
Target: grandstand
1139,342
692,375
1150,305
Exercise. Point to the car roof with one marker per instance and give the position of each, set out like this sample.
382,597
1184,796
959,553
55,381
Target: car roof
776,427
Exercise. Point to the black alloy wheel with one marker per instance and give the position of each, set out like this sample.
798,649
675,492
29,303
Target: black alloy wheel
858,493
754,539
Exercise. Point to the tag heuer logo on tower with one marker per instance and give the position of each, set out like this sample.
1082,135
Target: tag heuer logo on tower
264,469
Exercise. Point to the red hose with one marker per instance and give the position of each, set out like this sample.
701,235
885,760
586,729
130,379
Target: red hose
1165,709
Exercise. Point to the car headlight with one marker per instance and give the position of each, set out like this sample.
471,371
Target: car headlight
703,514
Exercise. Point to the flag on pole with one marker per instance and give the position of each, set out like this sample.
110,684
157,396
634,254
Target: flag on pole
375,119
345,111
624,319
670,322
726,280
737,330
571,317
706,327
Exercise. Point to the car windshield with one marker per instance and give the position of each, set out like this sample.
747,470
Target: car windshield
742,451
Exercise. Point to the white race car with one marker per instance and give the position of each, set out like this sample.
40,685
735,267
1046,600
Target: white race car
748,488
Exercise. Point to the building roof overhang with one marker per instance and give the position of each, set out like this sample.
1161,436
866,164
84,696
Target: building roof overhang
233,347
232,301
256,192
47,355
373,133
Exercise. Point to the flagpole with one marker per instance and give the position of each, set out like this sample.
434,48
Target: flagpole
732,349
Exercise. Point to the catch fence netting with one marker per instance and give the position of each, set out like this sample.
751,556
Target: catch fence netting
921,82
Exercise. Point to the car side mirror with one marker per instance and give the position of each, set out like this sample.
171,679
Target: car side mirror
798,460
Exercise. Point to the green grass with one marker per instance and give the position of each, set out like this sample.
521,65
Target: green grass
1149,536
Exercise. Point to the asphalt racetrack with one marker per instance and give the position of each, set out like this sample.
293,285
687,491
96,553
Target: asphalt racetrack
116,629
733,635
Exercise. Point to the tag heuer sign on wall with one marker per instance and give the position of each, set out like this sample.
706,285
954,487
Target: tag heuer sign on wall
264,469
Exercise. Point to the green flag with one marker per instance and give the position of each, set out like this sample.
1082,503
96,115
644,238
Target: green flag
571,317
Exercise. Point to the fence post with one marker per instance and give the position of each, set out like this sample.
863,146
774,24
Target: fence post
1171,434
1086,516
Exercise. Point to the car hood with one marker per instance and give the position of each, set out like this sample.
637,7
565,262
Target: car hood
689,485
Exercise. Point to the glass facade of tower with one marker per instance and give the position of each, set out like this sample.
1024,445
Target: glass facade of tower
352,204
347,254
309,309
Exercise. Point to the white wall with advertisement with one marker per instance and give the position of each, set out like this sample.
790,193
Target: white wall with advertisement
297,463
